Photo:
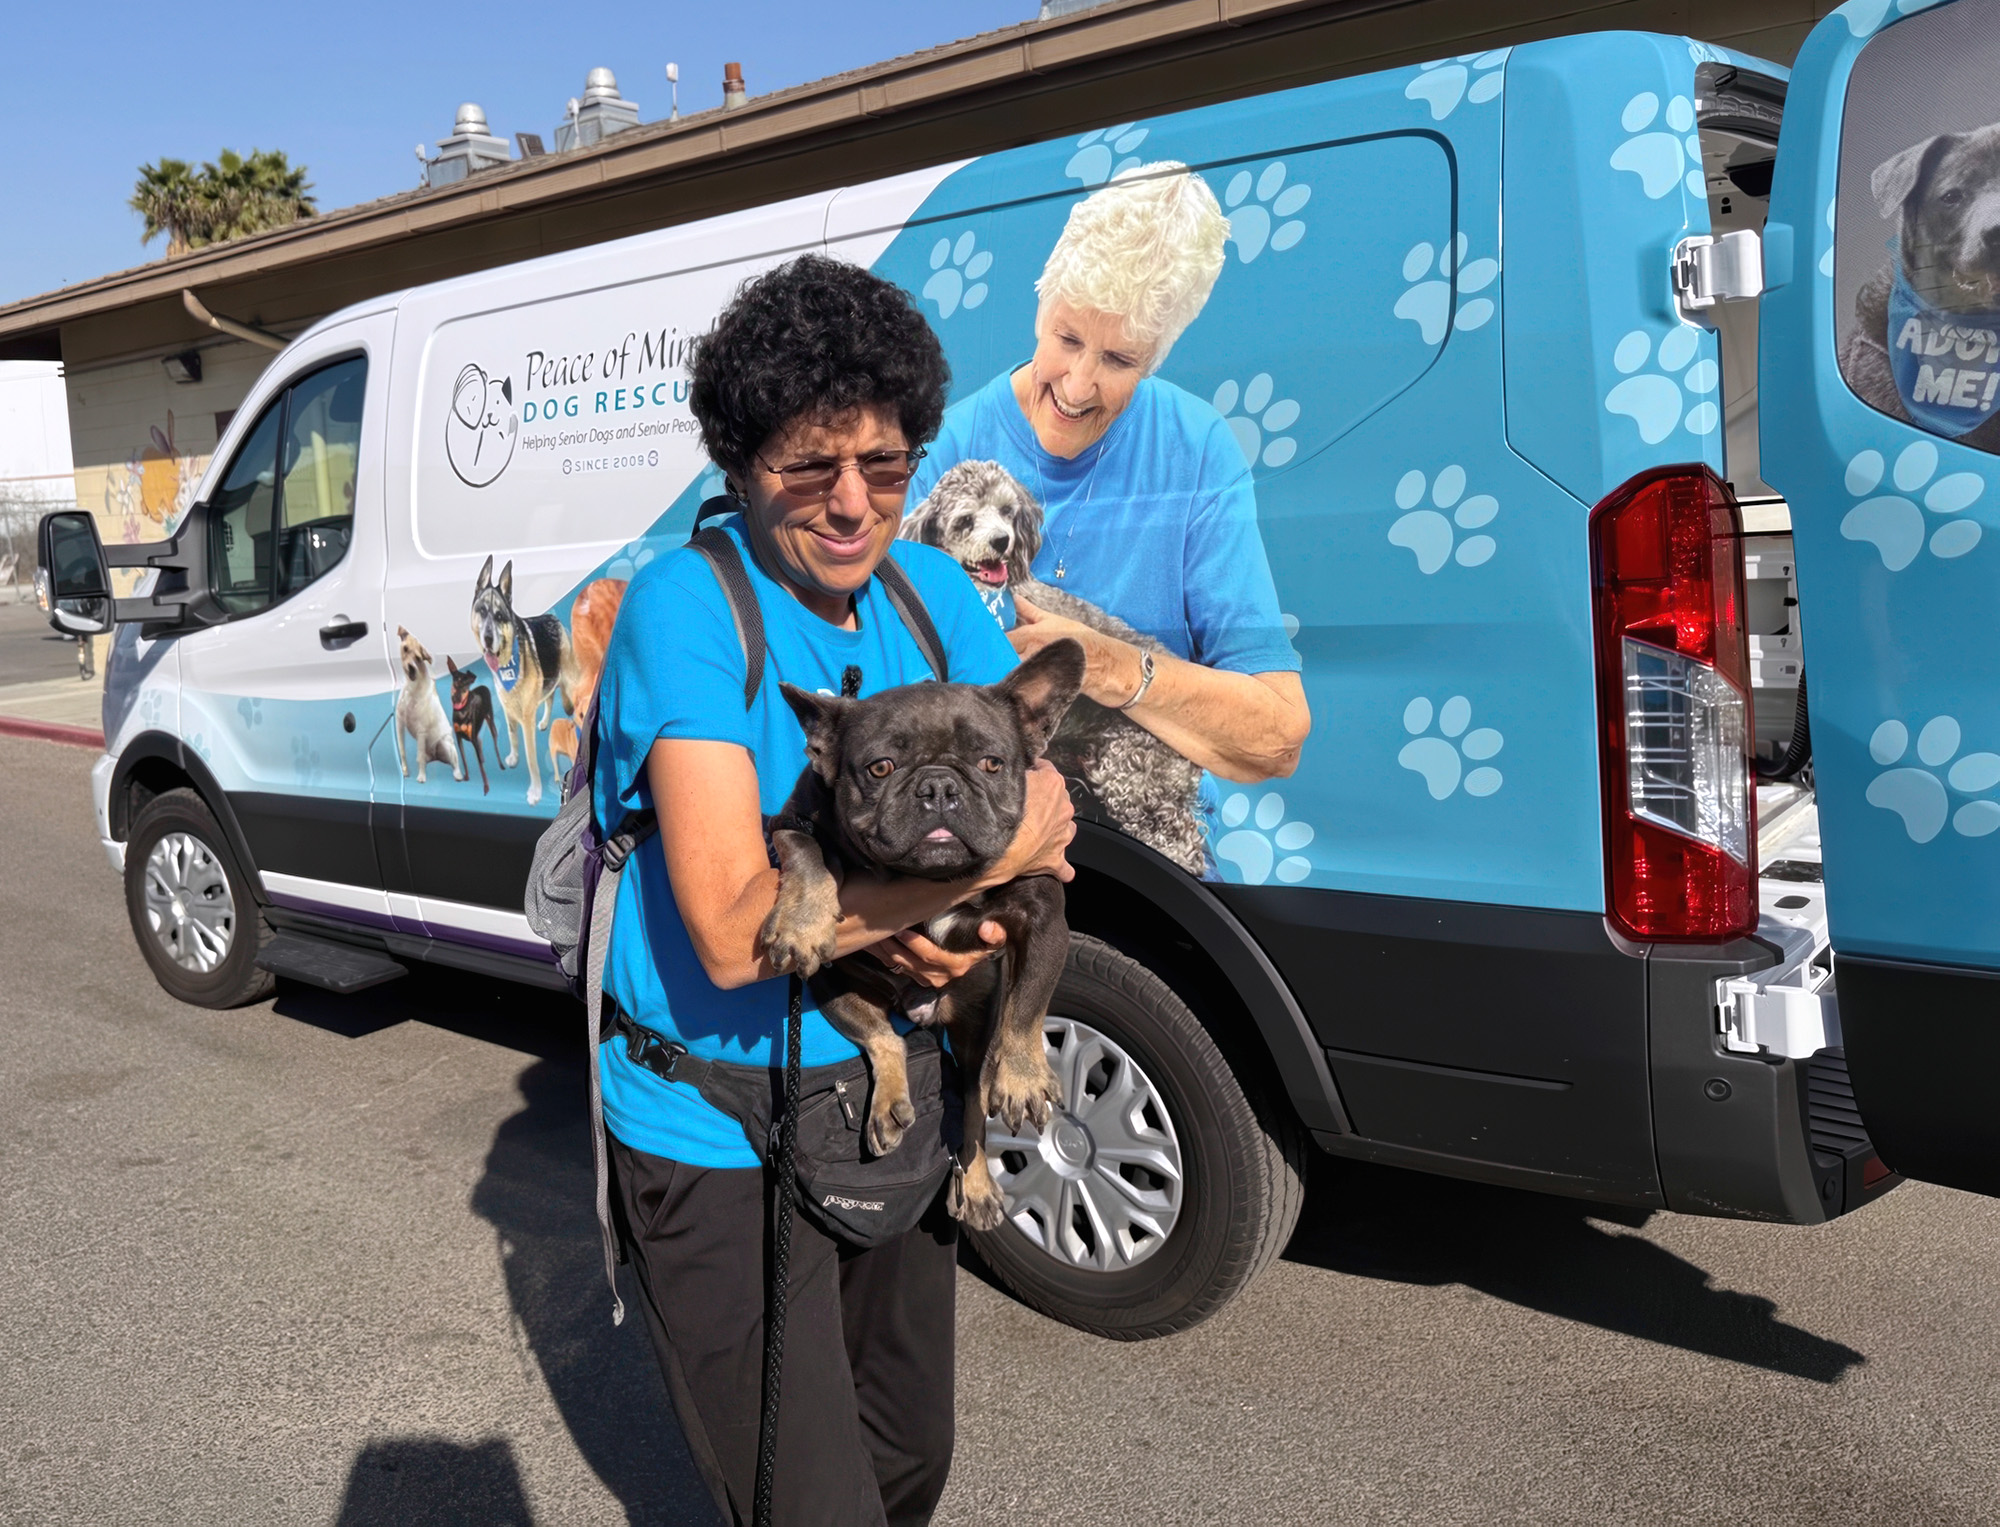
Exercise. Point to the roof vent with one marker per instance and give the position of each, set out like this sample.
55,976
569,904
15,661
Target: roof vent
601,112
733,92
470,149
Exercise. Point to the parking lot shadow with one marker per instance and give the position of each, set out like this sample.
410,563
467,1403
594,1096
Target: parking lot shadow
407,1481
1546,1254
537,1192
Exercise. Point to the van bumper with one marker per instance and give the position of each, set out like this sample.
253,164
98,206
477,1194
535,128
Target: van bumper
101,774
1750,1134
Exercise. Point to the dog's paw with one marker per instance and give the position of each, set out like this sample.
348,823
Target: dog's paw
534,795
975,1201
803,931
887,1126
1024,1090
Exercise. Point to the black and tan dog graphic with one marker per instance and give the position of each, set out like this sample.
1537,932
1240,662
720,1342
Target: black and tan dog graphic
981,516
1932,312
472,708
930,780
532,661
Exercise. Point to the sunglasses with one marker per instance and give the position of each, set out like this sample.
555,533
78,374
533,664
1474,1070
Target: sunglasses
814,478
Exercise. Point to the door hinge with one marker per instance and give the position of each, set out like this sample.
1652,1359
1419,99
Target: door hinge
1711,268
1789,1009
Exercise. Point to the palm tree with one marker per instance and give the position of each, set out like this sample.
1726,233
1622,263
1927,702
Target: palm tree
170,197
257,192
226,198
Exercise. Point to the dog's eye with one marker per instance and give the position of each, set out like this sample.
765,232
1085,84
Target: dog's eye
1952,197
882,768
990,764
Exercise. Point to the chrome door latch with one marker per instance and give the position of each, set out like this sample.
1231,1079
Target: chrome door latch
1711,268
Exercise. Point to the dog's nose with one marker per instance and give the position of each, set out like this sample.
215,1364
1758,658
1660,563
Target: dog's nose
937,790
1000,541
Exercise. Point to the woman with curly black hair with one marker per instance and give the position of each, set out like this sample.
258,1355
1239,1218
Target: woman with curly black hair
815,393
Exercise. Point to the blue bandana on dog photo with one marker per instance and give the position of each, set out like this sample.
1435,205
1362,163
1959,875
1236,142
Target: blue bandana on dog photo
1947,365
509,672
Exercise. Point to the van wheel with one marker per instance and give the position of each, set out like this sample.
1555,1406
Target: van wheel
191,908
1161,1187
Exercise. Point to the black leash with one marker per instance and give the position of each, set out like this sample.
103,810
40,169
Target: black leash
781,1257
781,1228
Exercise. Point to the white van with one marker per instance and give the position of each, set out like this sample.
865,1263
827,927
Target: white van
1525,912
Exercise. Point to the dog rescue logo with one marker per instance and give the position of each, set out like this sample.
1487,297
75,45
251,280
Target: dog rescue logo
481,429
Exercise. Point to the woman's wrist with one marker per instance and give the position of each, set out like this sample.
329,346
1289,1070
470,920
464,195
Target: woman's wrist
1113,672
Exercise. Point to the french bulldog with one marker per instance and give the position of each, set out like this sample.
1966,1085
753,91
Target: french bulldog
930,780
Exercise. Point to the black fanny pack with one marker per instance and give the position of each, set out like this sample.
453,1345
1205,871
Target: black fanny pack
862,1198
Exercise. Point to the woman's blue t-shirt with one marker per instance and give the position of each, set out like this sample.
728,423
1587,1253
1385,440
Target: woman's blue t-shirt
1156,522
674,668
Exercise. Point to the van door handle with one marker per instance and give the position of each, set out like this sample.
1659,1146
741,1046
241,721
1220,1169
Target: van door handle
343,634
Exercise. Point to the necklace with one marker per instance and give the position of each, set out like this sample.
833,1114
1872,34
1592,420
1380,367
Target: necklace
1071,509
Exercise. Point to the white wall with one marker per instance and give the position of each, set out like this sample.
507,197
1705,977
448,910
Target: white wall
34,432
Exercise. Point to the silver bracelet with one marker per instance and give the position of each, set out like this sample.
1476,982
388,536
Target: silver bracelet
1145,681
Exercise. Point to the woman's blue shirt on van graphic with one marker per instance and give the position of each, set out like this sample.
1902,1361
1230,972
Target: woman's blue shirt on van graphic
1156,522
675,669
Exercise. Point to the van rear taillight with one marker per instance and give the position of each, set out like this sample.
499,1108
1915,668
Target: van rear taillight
1673,698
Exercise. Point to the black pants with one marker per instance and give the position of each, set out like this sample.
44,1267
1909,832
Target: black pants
865,1417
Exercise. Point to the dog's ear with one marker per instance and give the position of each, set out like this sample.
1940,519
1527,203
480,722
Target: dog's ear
1896,177
821,716
922,524
403,632
451,663
1025,517
506,581
485,577
1042,689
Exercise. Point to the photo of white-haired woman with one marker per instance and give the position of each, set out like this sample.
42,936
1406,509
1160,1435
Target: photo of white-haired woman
1149,509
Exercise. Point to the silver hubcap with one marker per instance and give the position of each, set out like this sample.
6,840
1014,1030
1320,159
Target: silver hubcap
1101,1186
188,904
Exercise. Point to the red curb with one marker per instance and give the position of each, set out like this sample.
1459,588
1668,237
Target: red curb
52,731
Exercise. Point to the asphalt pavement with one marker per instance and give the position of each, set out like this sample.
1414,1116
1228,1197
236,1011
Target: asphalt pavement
29,650
333,1260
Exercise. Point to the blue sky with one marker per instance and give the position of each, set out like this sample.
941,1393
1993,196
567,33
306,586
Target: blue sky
91,90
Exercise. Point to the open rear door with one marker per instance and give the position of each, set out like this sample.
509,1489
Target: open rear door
1880,381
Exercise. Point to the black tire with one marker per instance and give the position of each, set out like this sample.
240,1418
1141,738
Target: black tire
1242,1168
201,851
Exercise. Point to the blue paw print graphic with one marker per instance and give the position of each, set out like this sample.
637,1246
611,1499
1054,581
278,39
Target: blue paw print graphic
1444,82
305,760
1429,534
1863,16
1258,429
1427,303
1265,221
152,701
1107,152
1893,524
1658,400
1253,843
251,709
957,268
1438,759
199,742
1918,796
1657,150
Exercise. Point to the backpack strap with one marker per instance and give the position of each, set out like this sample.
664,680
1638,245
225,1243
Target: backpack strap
718,548
719,551
910,605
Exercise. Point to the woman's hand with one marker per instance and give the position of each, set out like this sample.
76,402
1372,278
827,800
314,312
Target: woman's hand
1246,727
1110,667
909,953
1048,822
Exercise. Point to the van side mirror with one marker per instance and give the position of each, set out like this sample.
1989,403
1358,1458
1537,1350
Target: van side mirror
72,582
